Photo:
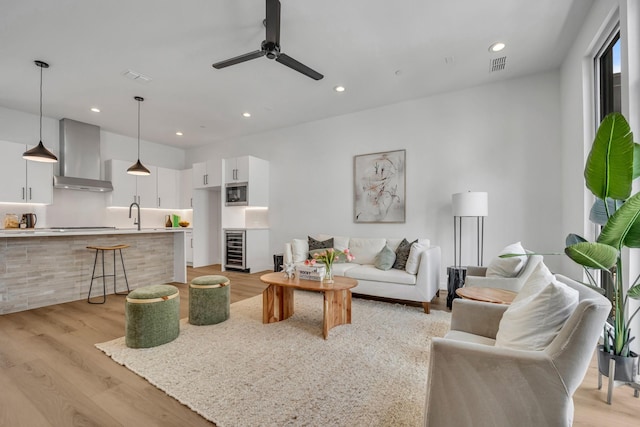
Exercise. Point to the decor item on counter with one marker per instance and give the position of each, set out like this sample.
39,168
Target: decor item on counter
183,223
29,220
289,270
469,204
379,187
176,220
328,257
39,153
138,168
11,221
609,172
393,382
167,221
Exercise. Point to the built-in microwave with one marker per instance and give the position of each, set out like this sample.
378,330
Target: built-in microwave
237,194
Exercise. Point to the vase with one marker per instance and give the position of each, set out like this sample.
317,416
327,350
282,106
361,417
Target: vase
626,367
328,276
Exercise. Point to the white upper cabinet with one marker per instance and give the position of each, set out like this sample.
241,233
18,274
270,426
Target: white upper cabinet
253,171
237,169
129,188
168,184
206,174
23,181
186,189
148,188
124,185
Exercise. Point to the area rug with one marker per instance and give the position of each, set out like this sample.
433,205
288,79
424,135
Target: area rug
244,373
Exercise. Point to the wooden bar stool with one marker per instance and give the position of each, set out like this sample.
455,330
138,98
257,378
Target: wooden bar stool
102,249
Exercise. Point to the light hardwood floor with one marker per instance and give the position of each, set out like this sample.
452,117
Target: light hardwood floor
52,375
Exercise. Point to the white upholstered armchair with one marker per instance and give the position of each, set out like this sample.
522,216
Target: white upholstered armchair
476,276
473,383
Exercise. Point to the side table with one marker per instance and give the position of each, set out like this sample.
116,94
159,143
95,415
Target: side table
455,280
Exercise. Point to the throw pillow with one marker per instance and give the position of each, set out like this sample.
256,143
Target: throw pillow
300,250
402,254
532,321
317,244
340,258
414,257
385,258
508,267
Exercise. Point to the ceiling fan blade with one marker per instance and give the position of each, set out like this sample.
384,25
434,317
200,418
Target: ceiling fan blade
299,67
239,59
273,21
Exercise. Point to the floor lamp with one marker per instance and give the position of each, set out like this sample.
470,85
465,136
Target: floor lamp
470,204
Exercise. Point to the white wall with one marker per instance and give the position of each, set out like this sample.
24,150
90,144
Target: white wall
503,138
82,208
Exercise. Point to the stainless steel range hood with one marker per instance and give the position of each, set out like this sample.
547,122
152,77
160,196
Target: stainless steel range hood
80,158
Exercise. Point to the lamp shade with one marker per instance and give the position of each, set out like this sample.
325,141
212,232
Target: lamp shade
472,203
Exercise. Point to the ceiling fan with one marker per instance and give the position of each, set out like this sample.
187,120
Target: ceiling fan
271,46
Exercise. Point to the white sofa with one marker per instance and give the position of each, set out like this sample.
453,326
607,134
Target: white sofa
396,284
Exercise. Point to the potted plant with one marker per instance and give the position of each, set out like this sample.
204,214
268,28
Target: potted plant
612,165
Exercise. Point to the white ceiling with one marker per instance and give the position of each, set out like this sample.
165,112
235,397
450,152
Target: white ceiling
383,52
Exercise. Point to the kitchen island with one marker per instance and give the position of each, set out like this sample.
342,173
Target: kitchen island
40,267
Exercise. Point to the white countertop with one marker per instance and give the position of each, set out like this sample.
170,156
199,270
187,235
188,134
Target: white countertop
48,232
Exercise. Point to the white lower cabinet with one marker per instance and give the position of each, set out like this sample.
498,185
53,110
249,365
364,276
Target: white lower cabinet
188,242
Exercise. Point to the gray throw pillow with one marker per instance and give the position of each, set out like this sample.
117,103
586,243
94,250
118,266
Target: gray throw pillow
317,244
402,254
385,258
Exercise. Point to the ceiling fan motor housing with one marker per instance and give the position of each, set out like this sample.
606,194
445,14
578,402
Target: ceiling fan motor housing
272,50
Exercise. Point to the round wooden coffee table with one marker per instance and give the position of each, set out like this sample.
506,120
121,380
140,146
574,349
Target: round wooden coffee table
494,295
277,299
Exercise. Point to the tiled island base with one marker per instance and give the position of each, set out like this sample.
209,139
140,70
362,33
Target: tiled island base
37,271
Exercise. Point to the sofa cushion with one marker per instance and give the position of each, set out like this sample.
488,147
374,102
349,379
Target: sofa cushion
394,243
534,319
370,272
402,254
317,244
341,269
414,257
385,258
507,267
365,249
299,250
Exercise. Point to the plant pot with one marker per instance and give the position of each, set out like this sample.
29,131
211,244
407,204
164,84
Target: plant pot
626,367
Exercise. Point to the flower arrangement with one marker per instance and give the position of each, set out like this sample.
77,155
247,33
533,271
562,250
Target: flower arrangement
328,257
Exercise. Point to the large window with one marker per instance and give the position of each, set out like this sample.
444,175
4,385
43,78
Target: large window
608,75
607,67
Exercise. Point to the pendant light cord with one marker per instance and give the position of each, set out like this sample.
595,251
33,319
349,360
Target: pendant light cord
138,129
41,104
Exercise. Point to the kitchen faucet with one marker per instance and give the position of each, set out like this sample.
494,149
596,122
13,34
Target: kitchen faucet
139,220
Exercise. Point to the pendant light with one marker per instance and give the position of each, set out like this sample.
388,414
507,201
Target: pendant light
138,168
39,153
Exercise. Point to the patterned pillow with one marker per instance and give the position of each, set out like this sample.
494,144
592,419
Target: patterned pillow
402,254
317,244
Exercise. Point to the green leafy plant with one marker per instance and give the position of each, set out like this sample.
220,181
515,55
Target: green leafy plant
612,165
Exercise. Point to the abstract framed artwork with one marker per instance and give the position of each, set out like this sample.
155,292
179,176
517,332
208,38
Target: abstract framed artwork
379,182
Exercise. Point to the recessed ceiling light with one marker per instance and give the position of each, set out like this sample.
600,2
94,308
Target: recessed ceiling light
339,88
496,47
247,115
179,133
95,109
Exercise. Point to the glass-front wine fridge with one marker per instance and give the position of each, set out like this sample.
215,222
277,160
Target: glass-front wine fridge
236,250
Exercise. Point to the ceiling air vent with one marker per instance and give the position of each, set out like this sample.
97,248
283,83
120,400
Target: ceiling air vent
498,64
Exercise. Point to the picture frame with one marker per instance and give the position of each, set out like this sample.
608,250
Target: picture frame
379,187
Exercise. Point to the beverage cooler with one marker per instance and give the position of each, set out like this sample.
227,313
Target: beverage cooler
235,250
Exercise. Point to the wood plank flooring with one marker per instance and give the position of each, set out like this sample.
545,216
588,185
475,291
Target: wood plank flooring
52,375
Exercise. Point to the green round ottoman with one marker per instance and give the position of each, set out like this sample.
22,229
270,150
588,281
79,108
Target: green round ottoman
152,316
209,300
